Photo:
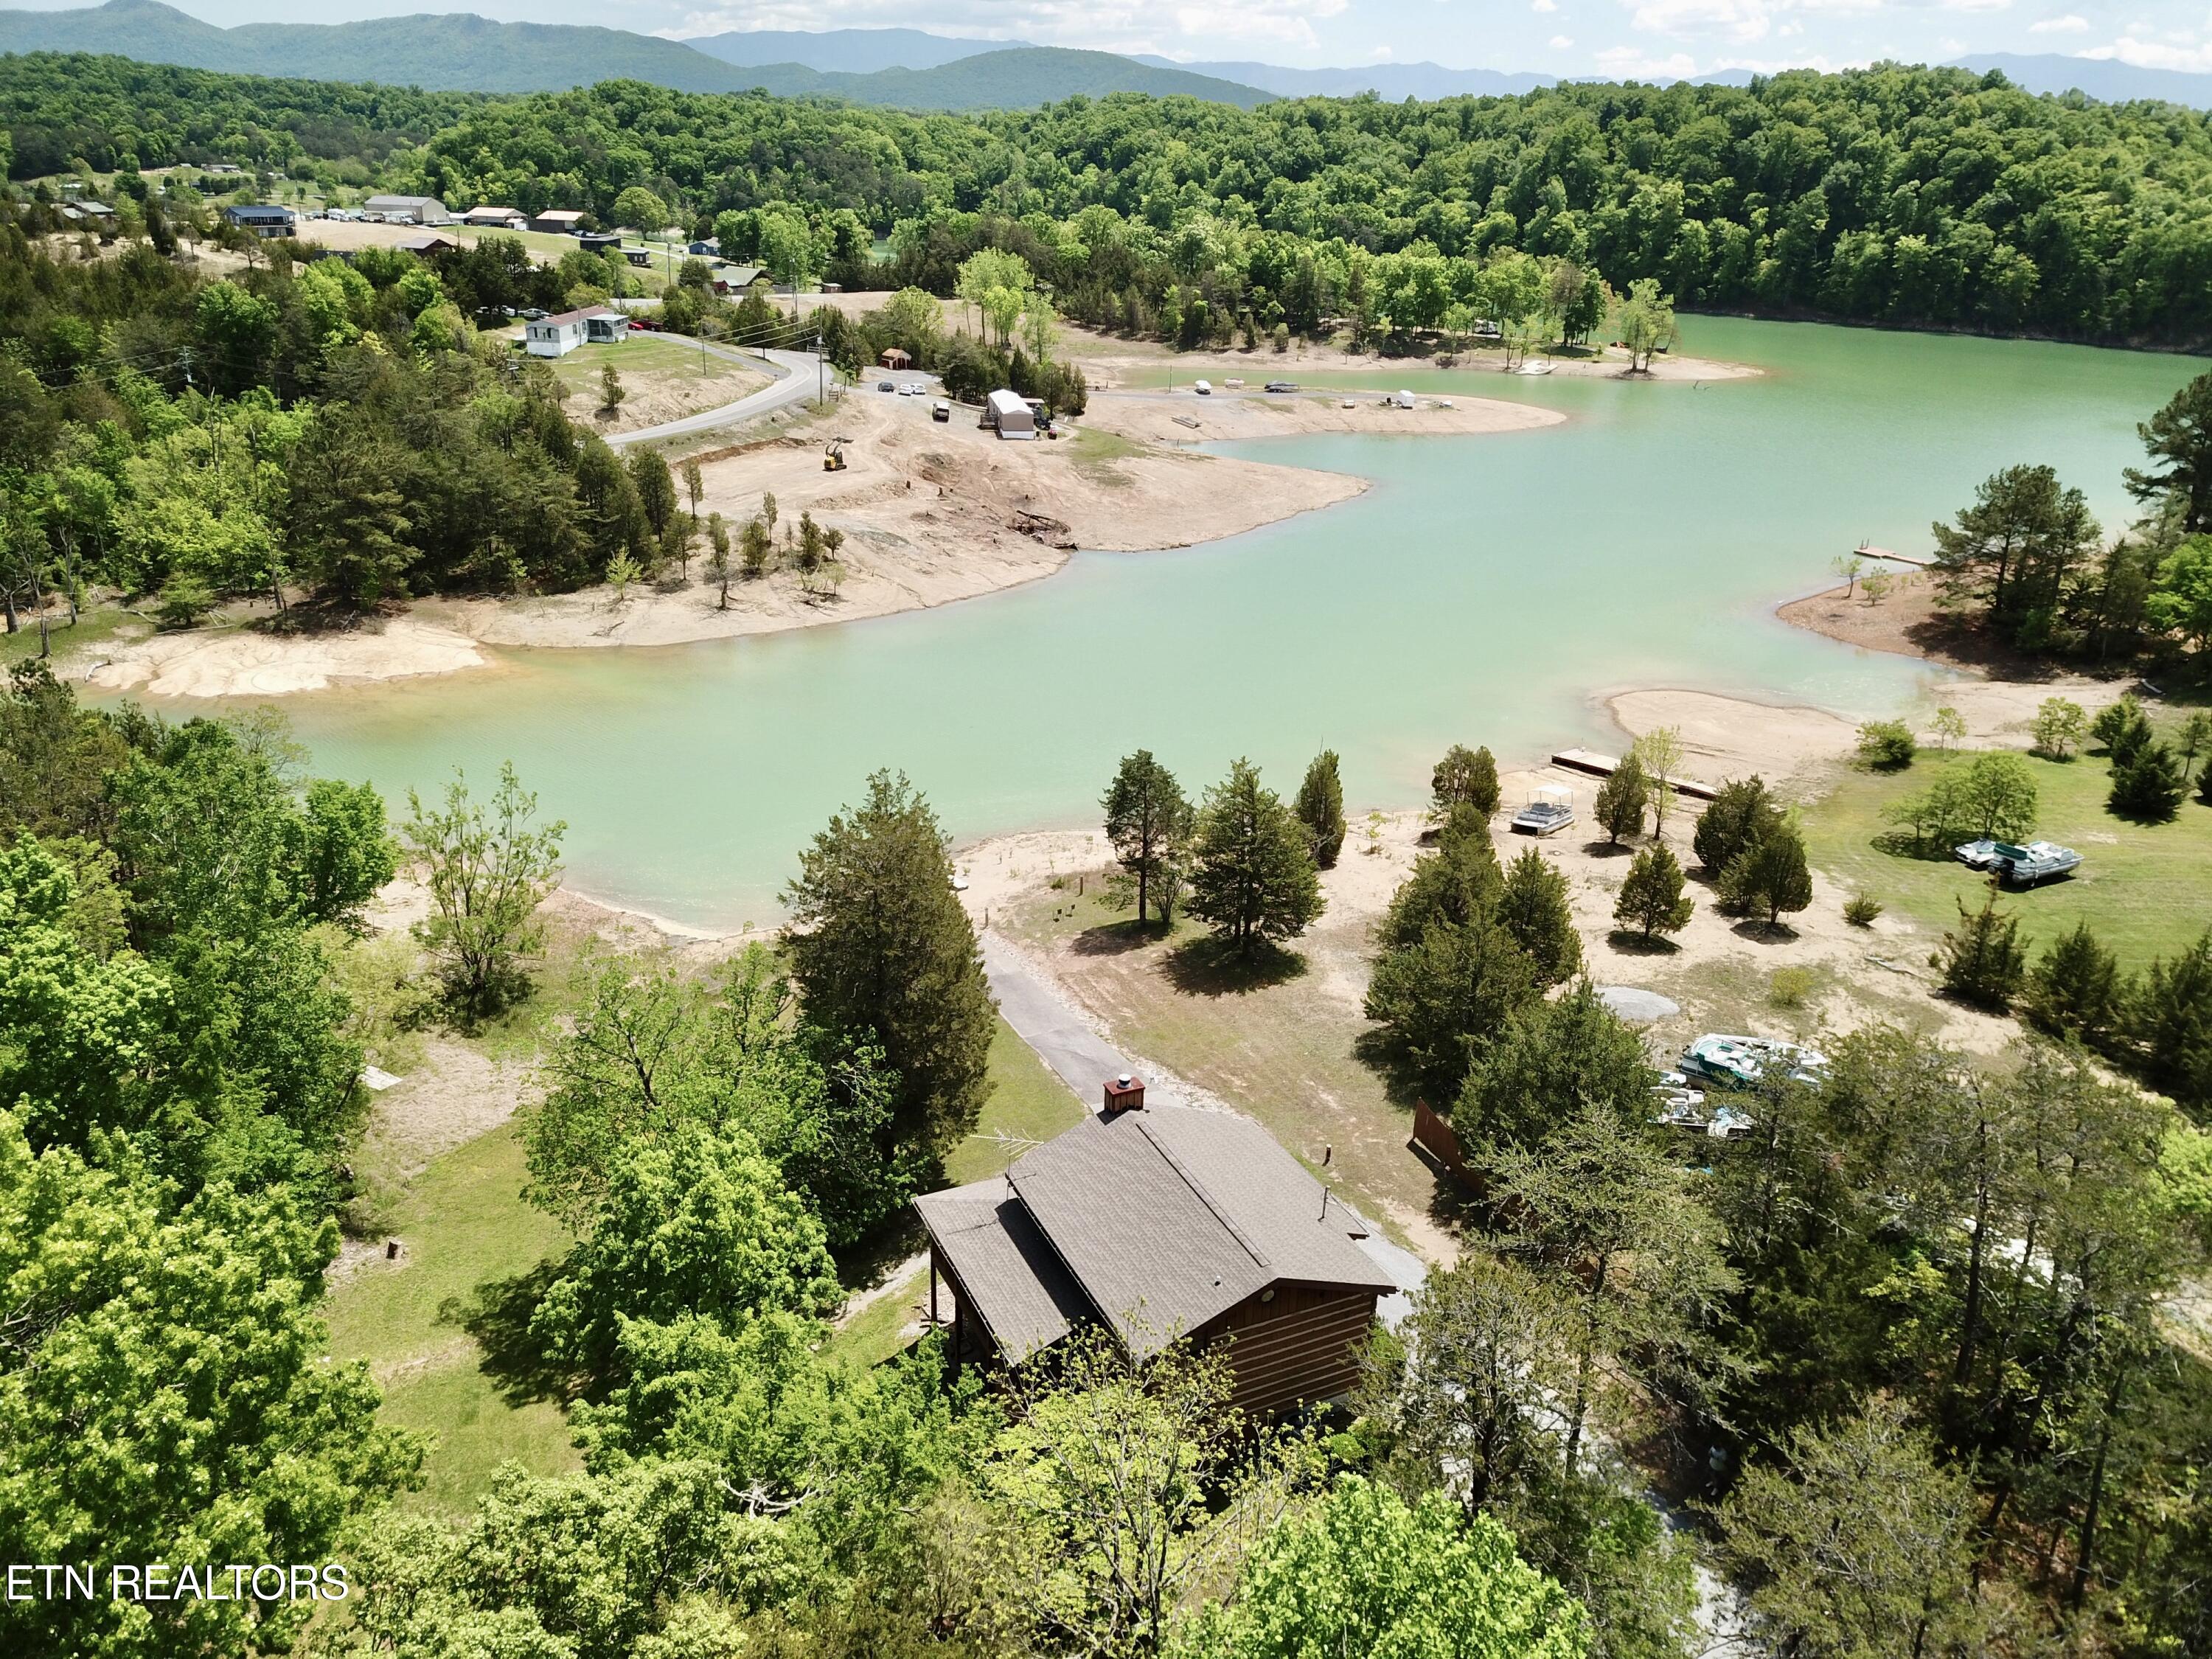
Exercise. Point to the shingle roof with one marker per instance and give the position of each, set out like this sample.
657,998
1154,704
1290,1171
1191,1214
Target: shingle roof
1160,1220
1019,1287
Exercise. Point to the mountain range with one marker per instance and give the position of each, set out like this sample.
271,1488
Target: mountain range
905,68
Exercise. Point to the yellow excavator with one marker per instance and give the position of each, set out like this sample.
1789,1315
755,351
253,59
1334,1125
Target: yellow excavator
833,456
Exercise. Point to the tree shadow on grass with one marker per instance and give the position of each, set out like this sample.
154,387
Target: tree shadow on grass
1904,844
1606,849
1114,939
497,1314
1211,967
1630,943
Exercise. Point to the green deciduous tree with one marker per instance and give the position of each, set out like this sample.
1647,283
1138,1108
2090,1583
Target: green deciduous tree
1659,752
488,869
1651,897
883,953
1887,745
694,1223
2060,726
166,1396
1252,874
1360,1572
1147,818
1320,807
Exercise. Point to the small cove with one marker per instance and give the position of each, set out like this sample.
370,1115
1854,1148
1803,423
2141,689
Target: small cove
1485,589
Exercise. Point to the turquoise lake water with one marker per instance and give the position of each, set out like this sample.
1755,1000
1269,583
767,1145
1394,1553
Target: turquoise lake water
1485,590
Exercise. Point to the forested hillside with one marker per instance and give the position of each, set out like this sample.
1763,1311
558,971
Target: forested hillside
1913,196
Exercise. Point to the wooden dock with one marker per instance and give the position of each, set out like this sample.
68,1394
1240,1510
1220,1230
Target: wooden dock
1598,765
1867,550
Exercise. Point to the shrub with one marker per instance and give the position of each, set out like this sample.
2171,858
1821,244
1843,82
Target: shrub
2148,786
1887,745
1860,909
1791,987
2060,726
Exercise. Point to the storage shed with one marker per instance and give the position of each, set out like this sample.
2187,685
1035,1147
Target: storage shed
558,222
495,218
409,210
1159,1225
1008,416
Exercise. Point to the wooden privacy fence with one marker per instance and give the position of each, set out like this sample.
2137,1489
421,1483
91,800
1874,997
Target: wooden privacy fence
1439,1140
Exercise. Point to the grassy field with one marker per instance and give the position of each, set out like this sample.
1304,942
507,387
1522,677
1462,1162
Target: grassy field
464,1226
2146,888
95,626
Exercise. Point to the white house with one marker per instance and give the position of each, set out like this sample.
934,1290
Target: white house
554,337
1009,416
409,210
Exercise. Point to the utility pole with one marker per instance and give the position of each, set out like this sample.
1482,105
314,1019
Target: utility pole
821,372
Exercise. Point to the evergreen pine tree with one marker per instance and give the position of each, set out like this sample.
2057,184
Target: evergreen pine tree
1253,875
2148,786
2123,728
1146,817
1623,798
1651,898
1462,778
1984,961
1321,808
1534,908
1771,876
2171,1022
1739,818
2074,990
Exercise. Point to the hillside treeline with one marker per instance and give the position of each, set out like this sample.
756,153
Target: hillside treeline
1913,196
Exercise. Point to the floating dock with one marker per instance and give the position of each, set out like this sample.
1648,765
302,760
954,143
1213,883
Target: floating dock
1590,761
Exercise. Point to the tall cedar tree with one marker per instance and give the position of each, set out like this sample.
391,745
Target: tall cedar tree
1456,883
1982,960
1145,815
2123,728
1462,778
1320,807
1651,897
2148,786
1554,1055
1771,877
2076,991
1533,907
1254,877
881,947
1623,798
1739,818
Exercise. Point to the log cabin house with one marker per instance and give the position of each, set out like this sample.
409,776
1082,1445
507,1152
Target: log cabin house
1160,1224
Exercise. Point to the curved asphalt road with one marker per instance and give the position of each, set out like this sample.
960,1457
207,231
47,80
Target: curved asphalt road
796,379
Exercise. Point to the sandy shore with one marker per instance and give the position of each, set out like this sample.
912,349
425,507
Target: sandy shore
235,662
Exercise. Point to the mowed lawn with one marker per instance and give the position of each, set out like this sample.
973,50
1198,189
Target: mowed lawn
463,1226
2145,889
663,358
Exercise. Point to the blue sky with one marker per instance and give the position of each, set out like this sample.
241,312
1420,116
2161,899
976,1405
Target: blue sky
1559,37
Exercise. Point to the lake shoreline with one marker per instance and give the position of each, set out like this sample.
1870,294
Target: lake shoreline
932,513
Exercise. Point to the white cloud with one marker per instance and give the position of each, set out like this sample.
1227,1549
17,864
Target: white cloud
1544,5
1560,43
1977,5
1629,63
2068,24
2150,54
1739,19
